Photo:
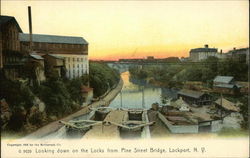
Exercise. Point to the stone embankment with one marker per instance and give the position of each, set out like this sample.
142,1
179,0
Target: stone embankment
54,126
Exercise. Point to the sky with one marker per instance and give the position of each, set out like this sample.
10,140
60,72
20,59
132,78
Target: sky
137,29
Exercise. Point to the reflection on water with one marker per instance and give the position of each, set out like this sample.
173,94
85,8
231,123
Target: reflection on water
131,97
132,94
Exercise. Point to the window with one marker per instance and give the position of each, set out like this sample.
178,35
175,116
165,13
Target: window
73,65
73,59
14,46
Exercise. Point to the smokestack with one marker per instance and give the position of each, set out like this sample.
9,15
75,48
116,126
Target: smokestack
30,28
206,45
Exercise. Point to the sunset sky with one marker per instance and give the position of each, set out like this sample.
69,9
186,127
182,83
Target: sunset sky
136,29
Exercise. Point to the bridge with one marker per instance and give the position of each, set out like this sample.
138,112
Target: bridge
124,66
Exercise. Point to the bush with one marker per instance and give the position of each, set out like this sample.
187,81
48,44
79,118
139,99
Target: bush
74,88
16,94
56,97
244,112
36,119
17,119
102,77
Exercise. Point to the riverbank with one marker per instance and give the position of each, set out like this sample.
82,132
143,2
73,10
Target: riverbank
54,126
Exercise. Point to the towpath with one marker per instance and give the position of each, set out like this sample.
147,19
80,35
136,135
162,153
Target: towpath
54,126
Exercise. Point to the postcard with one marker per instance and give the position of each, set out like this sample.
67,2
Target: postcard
137,78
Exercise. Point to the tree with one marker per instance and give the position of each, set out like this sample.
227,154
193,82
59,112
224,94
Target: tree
102,77
244,111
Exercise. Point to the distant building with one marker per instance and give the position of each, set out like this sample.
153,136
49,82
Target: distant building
10,55
73,49
150,58
241,55
226,85
199,54
184,59
195,98
171,60
221,55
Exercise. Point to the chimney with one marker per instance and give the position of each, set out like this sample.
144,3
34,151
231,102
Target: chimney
221,51
234,48
30,28
206,45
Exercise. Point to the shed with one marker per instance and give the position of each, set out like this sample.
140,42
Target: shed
194,97
87,94
223,79
226,85
227,105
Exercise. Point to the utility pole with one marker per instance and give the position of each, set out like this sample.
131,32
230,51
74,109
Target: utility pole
30,28
143,103
121,98
221,107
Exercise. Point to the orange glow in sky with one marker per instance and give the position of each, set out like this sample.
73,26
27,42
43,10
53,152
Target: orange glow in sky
136,29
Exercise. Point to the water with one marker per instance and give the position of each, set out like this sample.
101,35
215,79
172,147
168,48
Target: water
132,95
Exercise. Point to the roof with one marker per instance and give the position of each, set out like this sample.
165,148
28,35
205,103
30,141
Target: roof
24,37
197,50
223,79
36,56
55,56
6,19
85,89
179,103
191,93
227,85
227,104
238,50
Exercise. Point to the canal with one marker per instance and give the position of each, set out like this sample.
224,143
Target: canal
138,94
131,96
